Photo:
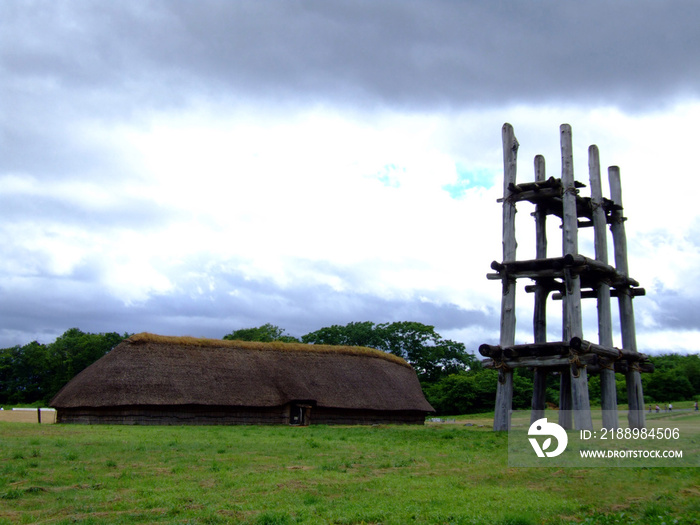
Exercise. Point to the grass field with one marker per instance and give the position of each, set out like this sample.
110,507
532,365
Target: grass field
438,473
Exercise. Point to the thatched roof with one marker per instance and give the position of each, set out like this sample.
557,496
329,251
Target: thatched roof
156,370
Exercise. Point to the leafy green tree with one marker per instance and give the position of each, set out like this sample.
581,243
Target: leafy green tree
74,351
352,334
675,378
420,345
5,373
522,389
24,373
35,372
266,333
691,366
431,355
463,393
474,391
459,394
668,385
594,389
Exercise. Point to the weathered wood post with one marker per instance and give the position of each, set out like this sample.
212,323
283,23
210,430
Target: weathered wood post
565,418
504,389
635,396
539,390
608,390
573,319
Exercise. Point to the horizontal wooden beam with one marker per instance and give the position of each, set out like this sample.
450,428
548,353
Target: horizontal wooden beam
547,195
490,350
590,270
593,294
583,346
645,367
537,362
593,363
559,348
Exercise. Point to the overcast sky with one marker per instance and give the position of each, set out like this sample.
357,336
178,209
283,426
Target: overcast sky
192,168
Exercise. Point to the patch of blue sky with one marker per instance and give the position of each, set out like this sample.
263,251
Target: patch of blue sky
390,175
468,178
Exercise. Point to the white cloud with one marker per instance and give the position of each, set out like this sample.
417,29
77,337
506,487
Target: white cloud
308,186
668,341
358,204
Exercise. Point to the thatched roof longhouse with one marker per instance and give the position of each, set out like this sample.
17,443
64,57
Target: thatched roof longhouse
157,373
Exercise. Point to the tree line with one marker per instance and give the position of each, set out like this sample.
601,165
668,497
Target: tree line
453,380
36,372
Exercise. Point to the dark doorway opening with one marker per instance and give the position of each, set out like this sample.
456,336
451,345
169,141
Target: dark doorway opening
300,413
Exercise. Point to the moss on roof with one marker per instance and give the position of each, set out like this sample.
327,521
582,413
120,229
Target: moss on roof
146,337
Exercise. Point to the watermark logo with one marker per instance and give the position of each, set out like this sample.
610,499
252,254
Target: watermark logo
665,442
543,428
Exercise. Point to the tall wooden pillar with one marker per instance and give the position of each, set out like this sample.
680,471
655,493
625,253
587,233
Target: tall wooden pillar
565,404
573,319
504,390
539,391
635,397
608,390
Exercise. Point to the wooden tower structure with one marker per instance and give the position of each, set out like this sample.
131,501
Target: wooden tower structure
569,278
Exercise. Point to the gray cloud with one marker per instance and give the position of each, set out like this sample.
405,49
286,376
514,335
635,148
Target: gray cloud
675,311
65,65
130,55
196,309
133,213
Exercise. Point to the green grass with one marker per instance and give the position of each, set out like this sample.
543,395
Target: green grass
450,474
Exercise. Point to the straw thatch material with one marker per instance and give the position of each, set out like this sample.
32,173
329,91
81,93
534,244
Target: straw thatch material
165,380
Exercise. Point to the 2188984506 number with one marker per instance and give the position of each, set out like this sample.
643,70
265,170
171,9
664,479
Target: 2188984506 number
637,433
